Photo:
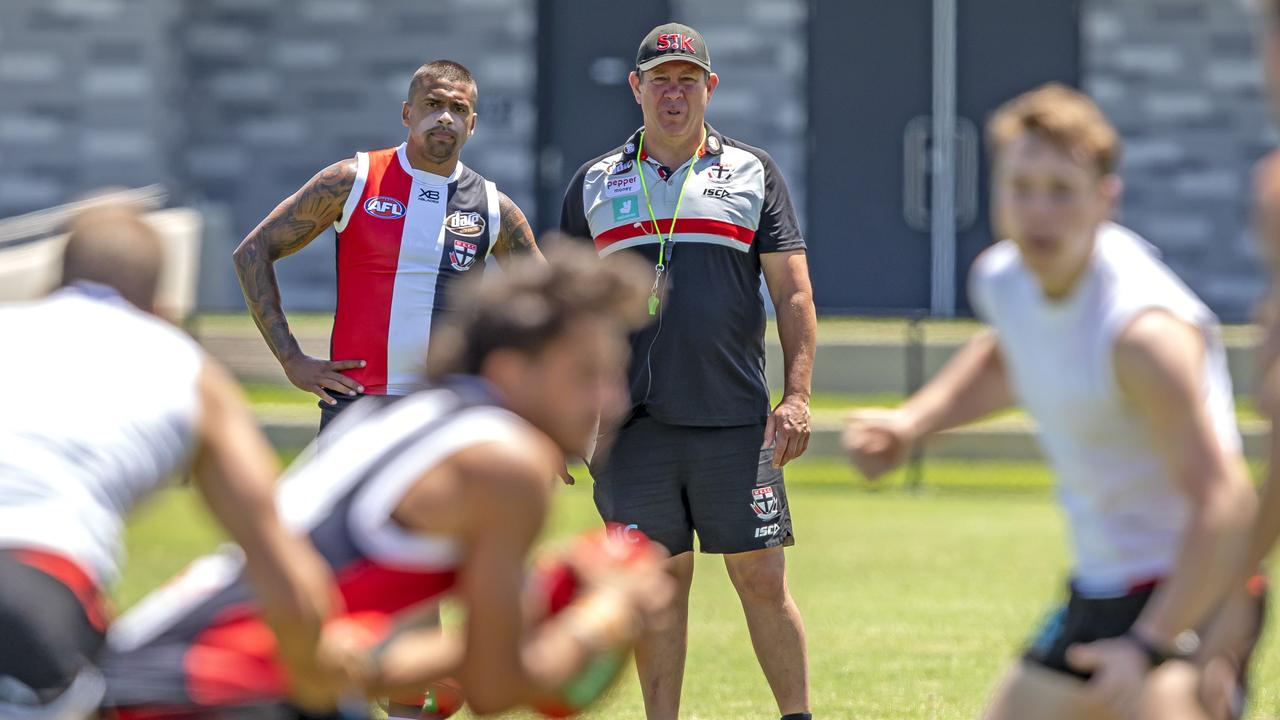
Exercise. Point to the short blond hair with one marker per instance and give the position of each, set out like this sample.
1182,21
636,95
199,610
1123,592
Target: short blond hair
1066,118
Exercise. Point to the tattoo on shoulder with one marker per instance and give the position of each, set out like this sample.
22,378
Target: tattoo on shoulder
318,204
516,237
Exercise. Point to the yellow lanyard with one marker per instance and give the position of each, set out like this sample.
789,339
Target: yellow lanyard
661,265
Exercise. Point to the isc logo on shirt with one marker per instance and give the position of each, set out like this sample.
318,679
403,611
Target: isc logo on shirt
466,224
384,207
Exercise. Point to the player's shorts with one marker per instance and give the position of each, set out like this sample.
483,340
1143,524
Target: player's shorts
329,412
1231,634
198,671
671,481
53,618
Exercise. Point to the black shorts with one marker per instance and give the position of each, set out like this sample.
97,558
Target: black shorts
670,481
1085,620
53,623
329,412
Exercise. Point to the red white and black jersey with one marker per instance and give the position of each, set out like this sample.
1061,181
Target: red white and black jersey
405,237
200,640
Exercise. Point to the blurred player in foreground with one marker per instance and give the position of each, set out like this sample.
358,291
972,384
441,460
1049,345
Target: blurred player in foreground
1123,369
75,462
440,492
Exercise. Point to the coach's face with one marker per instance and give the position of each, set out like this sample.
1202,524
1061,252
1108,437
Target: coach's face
573,380
1051,203
673,96
441,117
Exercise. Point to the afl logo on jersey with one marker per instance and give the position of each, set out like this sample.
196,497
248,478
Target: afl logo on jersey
384,207
466,224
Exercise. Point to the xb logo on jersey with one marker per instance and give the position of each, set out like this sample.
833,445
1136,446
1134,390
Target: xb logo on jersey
384,207
463,255
764,503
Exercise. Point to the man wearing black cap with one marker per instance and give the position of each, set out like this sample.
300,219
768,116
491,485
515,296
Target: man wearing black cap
701,450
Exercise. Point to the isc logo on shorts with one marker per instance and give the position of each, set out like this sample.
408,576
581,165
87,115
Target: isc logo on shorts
384,207
768,530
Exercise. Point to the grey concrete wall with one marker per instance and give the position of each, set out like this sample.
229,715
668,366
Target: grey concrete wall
1182,81
87,97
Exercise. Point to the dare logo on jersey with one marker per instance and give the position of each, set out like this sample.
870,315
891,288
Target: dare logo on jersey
384,207
466,224
463,255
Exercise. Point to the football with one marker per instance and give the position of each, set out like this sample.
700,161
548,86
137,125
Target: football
555,584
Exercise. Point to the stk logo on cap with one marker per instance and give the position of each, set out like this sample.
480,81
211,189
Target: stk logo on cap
673,41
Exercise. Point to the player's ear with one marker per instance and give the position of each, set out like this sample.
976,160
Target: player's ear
713,81
1111,188
471,125
404,113
634,80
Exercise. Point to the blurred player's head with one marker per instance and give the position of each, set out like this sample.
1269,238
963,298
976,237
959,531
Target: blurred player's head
673,81
551,337
1054,160
440,110
112,245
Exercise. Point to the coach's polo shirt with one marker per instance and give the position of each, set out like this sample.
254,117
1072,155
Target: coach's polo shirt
701,359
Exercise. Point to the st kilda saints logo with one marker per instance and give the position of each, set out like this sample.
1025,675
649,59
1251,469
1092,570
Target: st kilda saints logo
466,224
720,174
764,503
463,254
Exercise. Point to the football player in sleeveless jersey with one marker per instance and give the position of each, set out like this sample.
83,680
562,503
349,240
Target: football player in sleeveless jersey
441,492
411,221
74,463
1123,369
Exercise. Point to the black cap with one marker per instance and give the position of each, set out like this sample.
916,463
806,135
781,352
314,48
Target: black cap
673,41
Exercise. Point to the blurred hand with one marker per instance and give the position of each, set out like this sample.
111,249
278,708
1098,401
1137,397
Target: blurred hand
320,376
1119,670
298,607
877,440
787,430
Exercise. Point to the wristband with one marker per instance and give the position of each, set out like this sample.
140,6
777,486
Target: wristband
1184,646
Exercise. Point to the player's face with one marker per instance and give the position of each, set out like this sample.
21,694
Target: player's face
441,118
573,380
673,97
1050,203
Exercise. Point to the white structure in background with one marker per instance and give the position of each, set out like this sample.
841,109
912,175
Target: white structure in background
31,249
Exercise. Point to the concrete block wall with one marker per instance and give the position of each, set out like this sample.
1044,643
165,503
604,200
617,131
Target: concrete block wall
86,97
1182,80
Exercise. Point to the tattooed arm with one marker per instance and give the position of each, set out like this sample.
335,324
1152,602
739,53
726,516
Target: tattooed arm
515,239
294,223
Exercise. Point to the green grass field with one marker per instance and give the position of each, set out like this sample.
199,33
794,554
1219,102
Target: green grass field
913,601
823,406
